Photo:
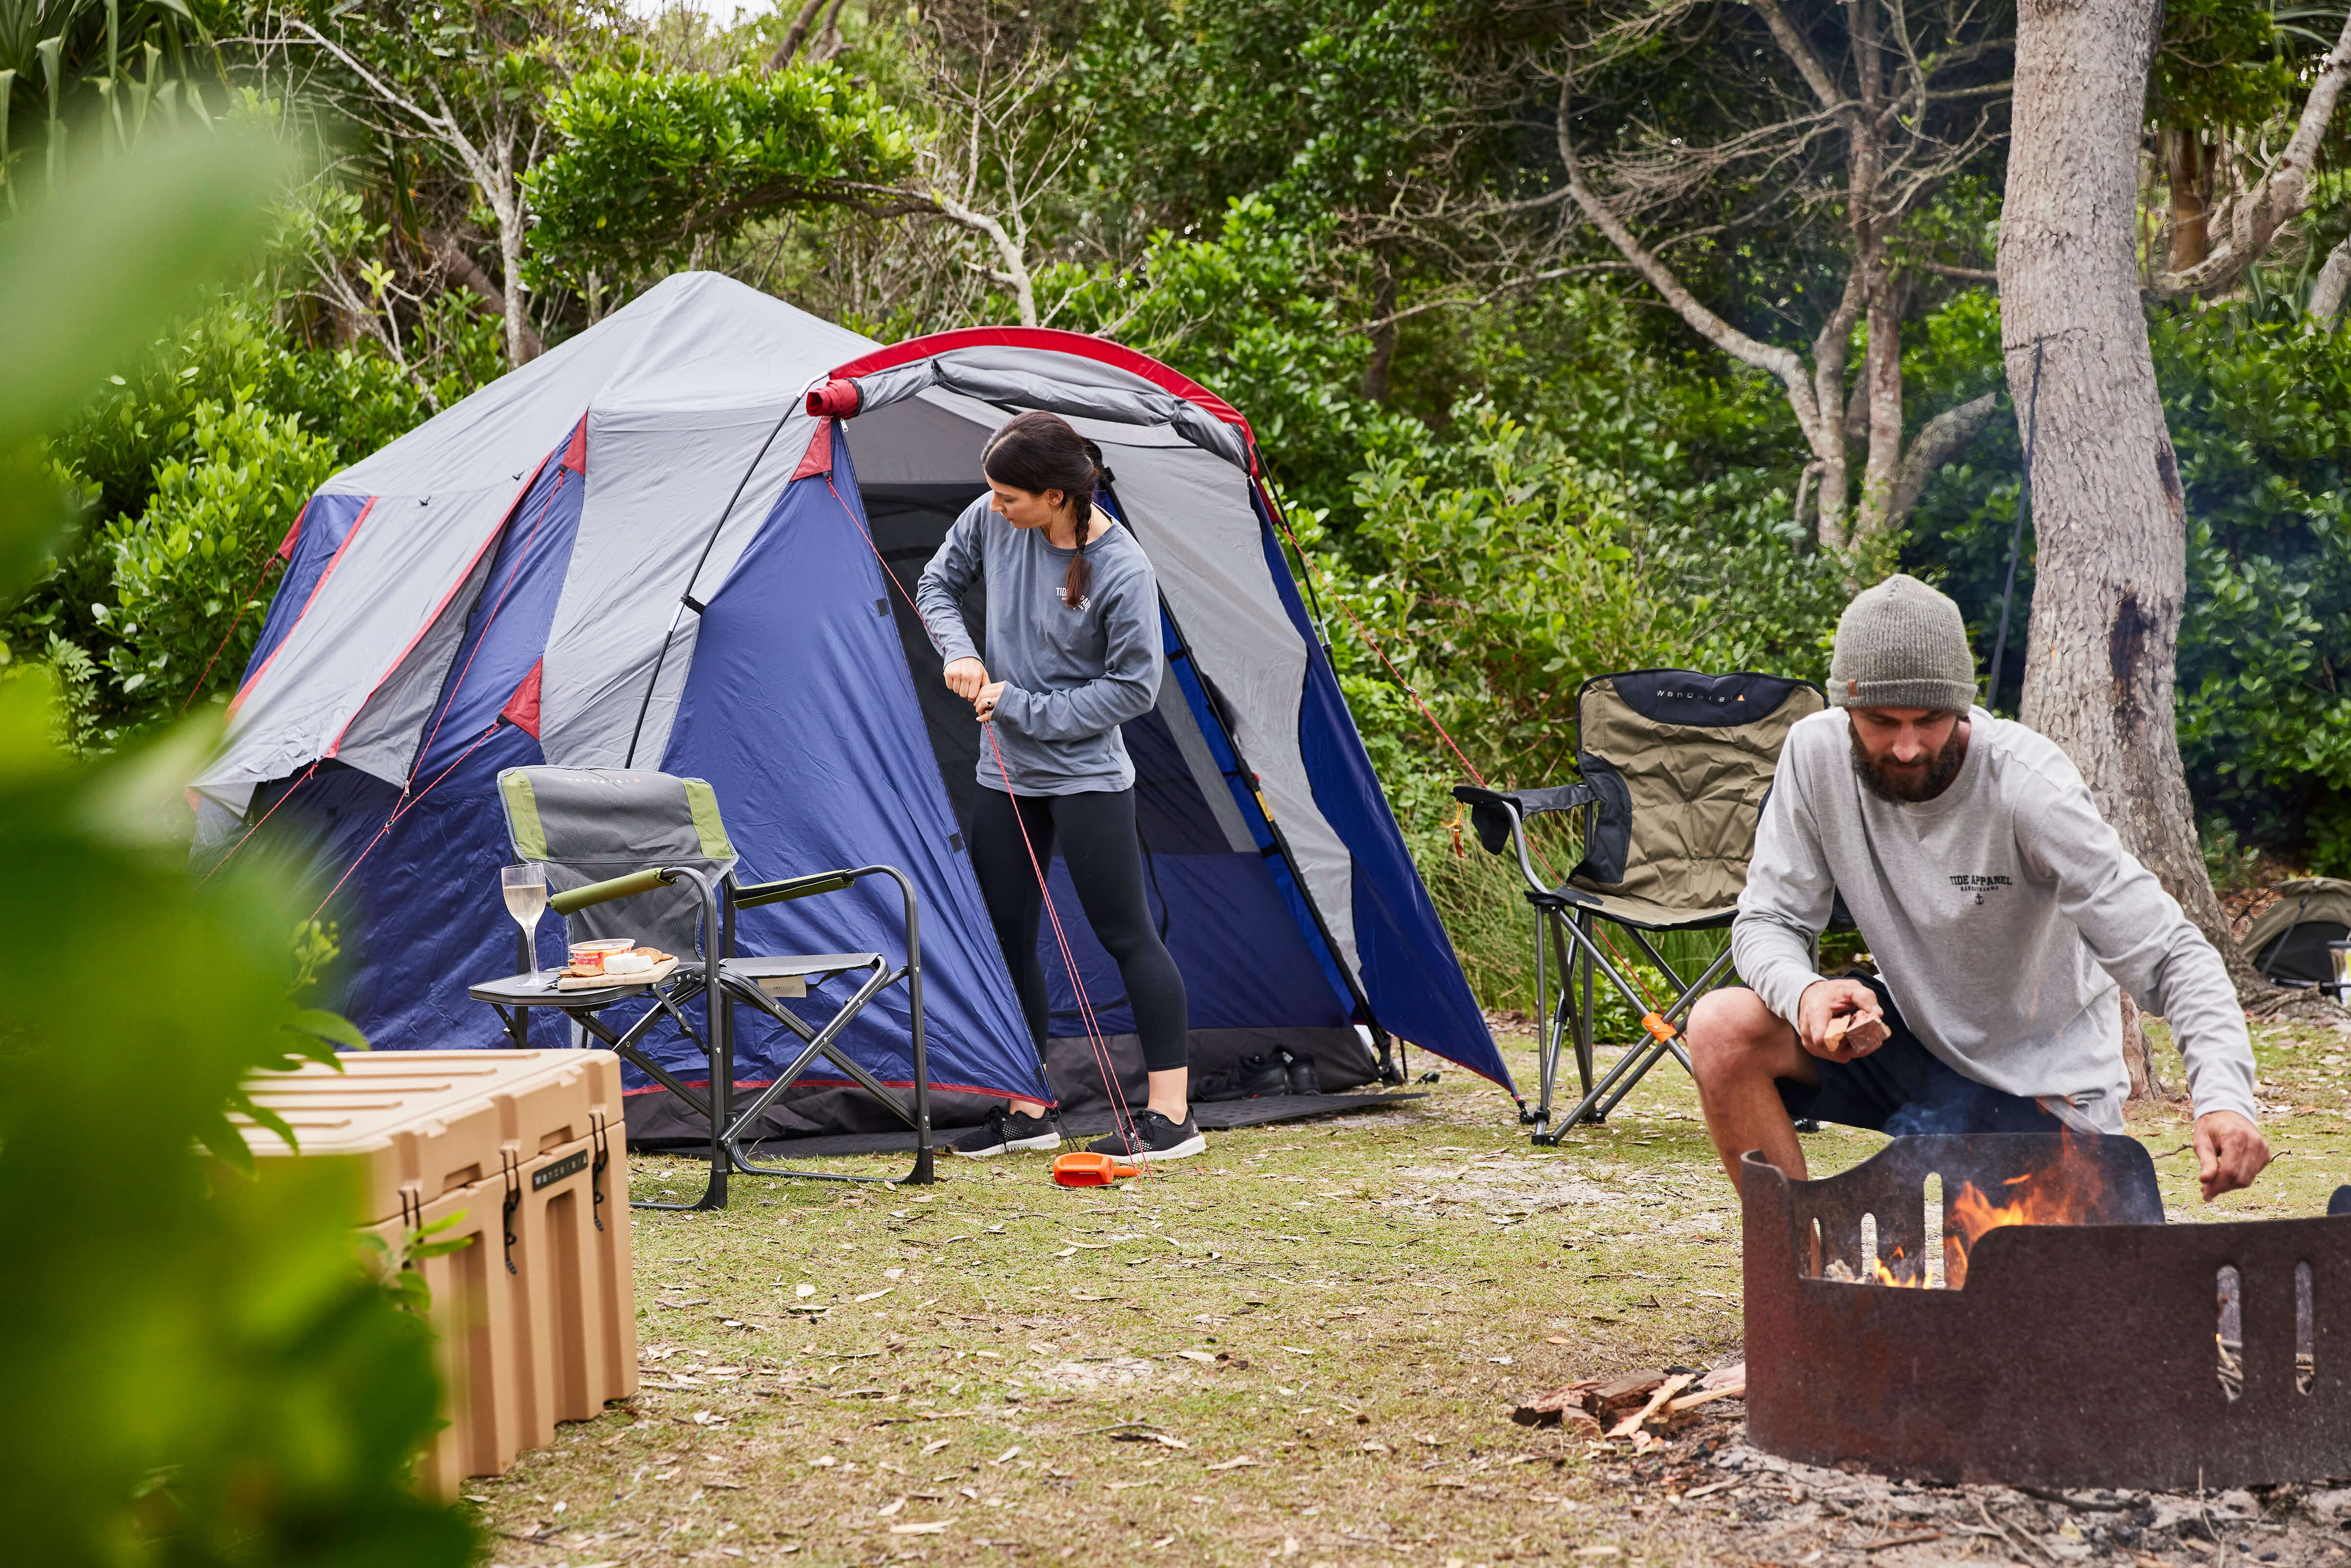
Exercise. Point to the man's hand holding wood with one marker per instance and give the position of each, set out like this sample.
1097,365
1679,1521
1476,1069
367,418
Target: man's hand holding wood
1840,1020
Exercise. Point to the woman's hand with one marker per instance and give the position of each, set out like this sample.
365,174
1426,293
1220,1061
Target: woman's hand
965,677
984,705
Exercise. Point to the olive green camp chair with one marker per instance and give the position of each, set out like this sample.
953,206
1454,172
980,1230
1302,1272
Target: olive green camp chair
1676,765
644,854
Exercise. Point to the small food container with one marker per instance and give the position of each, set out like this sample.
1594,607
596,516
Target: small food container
588,957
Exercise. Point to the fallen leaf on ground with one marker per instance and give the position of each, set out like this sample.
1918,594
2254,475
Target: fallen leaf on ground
932,1529
877,1295
1235,1463
887,1510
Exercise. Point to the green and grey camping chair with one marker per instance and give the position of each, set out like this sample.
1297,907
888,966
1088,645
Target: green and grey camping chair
643,854
1676,765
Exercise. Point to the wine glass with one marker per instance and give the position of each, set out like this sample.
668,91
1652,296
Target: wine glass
525,887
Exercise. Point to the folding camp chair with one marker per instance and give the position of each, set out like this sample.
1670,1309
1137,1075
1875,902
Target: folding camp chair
643,854
1676,765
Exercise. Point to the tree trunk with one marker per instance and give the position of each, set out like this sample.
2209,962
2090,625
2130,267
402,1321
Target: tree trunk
1882,385
522,340
2334,278
2185,170
450,258
2146,1083
2109,519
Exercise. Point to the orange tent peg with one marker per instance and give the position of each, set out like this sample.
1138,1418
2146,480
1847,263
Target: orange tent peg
1084,1169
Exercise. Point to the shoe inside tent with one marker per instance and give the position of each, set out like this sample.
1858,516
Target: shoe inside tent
685,540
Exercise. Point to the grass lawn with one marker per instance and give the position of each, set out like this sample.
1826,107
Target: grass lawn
1303,1345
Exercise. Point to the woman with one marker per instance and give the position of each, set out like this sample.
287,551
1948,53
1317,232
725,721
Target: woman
1074,639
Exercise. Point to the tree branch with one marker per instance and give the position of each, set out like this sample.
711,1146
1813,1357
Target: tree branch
2279,196
793,35
1943,269
1549,275
1016,266
1779,361
1946,435
1800,53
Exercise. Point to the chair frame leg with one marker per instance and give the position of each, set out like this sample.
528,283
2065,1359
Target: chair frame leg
819,1043
1561,1024
1600,1099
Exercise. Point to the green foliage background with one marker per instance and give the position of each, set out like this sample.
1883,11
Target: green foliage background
198,1367
1513,487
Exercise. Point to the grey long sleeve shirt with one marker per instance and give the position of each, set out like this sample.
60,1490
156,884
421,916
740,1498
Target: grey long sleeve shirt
2000,914
1072,677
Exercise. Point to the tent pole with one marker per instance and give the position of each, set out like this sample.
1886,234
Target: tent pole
687,601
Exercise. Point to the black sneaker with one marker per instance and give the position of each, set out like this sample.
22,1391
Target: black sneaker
1246,1079
1152,1137
1006,1131
1303,1079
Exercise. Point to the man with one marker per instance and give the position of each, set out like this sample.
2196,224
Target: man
2001,910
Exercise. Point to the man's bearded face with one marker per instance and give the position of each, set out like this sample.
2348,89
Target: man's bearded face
1922,777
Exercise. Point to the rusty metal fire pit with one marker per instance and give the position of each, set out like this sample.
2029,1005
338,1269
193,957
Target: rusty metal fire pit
2112,1350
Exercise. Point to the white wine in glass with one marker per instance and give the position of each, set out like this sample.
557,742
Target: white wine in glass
525,887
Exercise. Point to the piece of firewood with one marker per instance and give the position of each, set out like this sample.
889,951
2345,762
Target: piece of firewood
1666,1391
1692,1401
1723,1377
1858,1031
1550,1409
1620,1394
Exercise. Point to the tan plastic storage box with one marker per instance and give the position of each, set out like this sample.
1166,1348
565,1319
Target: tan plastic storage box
536,1314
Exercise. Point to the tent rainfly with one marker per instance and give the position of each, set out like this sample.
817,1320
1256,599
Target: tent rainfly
683,541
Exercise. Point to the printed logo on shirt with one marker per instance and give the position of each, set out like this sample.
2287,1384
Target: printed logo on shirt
1062,593
1979,884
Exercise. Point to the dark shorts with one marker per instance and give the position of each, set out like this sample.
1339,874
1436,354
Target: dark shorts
1904,1088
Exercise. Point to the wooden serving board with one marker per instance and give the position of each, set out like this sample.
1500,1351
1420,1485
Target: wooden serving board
660,971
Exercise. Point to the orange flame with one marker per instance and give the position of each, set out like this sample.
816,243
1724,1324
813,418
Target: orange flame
2068,1192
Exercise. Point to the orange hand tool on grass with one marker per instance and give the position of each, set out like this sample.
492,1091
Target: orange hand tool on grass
1084,1169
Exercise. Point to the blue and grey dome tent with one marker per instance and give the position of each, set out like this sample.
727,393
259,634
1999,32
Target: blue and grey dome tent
678,541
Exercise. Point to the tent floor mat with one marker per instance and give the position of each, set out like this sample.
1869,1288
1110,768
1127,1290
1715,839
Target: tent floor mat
1214,1116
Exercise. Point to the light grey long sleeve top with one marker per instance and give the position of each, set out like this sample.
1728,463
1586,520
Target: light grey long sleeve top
2002,915
1072,677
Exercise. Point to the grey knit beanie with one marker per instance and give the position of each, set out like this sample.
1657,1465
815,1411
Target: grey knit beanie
1902,645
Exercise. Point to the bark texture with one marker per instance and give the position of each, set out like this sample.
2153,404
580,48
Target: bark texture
2109,519
2334,279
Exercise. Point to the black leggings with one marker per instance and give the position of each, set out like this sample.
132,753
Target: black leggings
1096,829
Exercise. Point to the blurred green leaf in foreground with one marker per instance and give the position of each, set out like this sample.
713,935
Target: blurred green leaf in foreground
195,1368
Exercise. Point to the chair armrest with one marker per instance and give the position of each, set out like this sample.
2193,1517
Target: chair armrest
1495,813
629,886
792,887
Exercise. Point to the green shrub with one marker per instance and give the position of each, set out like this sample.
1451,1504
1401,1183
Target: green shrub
196,1366
190,588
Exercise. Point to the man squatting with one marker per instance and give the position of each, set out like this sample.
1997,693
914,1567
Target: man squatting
2001,910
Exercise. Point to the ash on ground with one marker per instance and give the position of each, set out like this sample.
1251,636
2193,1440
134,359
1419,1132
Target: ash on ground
1749,1507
